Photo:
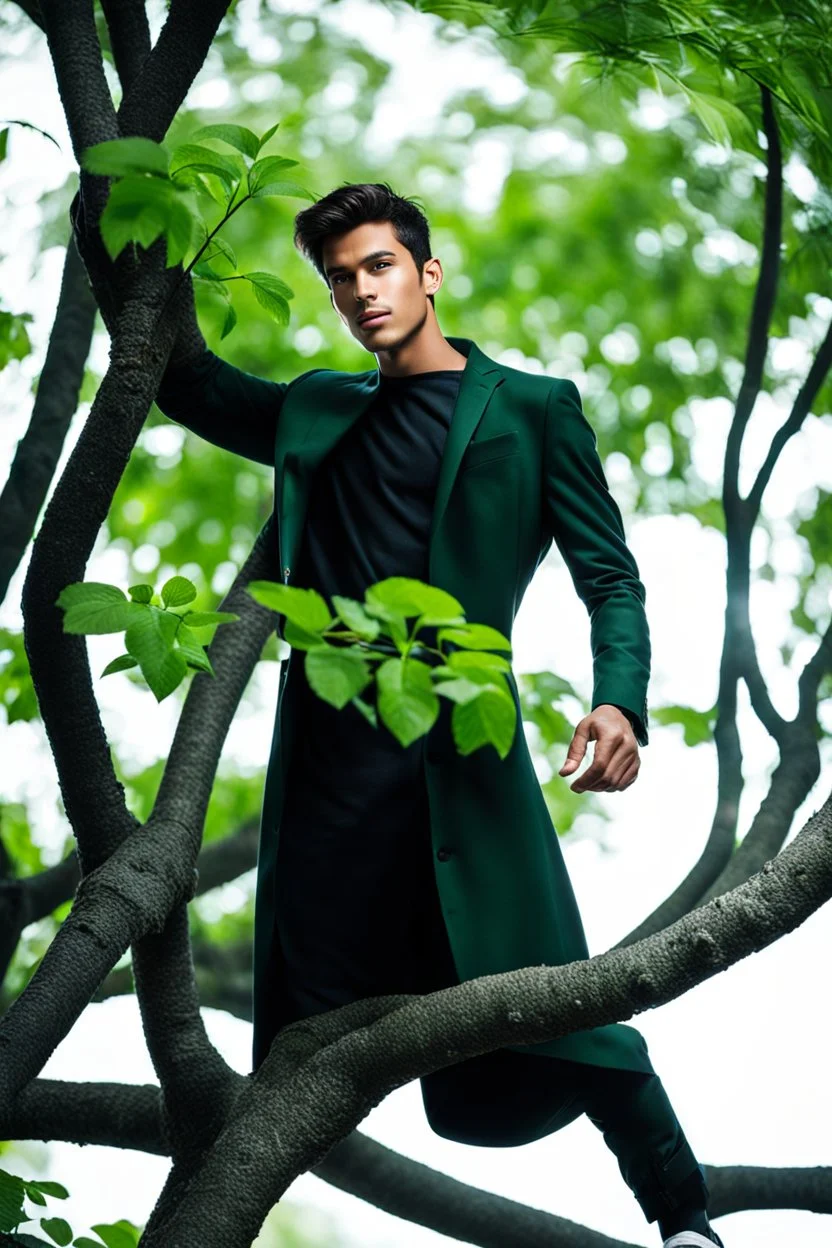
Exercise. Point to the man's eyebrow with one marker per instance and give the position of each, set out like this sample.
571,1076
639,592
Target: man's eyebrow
374,255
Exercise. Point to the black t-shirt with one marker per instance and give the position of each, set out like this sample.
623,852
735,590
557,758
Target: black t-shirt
357,910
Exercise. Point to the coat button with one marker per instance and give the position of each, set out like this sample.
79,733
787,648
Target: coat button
443,854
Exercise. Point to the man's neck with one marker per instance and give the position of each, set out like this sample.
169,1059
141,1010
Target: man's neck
427,352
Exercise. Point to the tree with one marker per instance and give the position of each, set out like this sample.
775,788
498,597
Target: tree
136,875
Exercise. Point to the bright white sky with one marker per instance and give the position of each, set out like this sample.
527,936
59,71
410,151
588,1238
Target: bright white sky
743,1057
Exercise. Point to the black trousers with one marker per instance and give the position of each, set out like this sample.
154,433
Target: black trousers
632,1109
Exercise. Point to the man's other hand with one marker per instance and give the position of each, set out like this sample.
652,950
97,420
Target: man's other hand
615,762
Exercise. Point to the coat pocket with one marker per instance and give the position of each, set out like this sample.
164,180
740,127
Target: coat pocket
496,447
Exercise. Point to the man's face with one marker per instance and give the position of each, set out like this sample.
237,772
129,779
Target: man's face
370,271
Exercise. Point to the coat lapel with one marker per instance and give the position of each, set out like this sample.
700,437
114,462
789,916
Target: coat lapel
305,437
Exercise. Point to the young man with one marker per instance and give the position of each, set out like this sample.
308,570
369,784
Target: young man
385,869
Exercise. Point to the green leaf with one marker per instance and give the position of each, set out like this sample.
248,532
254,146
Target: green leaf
272,294
49,1188
191,156
225,250
293,189
11,1201
177,591
475,637
697,726
407,702
301,638
201,619
140,210
304,607
465,660
140,593
369,712
407,596
36,1197
117,157
4,143
150,638
193,650
394,624
264,138
458,690
229,322
121,1234
57,1229
264,171
14,338
355,617
488,719
121,664
200,180
336,674
245,141
93,607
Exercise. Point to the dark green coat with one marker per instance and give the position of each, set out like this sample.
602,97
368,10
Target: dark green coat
519,470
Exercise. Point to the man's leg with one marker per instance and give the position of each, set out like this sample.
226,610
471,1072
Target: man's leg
506,1098
639,1126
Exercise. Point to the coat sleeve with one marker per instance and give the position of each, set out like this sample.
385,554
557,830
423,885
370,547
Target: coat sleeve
223,404
586,525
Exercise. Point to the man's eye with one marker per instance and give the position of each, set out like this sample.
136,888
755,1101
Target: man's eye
384,262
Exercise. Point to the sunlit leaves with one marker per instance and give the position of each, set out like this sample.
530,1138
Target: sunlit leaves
142,209
272,294
337,662
335,674
407,701
158,640
192,159
244,140
14,337
118,157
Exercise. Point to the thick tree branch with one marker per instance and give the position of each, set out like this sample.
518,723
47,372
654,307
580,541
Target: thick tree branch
76,56
154,98
138,879
335,1089
129,37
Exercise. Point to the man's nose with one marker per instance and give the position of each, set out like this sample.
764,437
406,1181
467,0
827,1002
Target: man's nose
363,288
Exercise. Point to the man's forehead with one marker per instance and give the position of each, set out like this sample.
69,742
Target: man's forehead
370,236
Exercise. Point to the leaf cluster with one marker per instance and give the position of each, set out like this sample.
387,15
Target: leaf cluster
14,1191
339,663
152,198
158,640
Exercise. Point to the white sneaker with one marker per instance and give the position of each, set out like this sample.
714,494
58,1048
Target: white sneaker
690,1239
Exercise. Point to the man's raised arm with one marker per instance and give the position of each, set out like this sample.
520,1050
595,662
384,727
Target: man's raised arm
586,526
223,404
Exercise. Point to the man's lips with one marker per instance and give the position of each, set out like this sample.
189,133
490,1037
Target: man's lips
373,318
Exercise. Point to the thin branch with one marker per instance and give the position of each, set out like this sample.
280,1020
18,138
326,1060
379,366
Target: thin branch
763,307
38,451
800,409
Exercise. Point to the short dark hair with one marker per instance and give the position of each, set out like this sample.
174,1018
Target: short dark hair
353,204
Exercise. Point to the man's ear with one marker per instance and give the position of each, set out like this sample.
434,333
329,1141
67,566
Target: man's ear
432,275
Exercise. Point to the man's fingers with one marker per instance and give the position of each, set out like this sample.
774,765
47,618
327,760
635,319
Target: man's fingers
576,751
611,758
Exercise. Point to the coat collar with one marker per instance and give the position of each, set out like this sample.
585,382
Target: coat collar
330,409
